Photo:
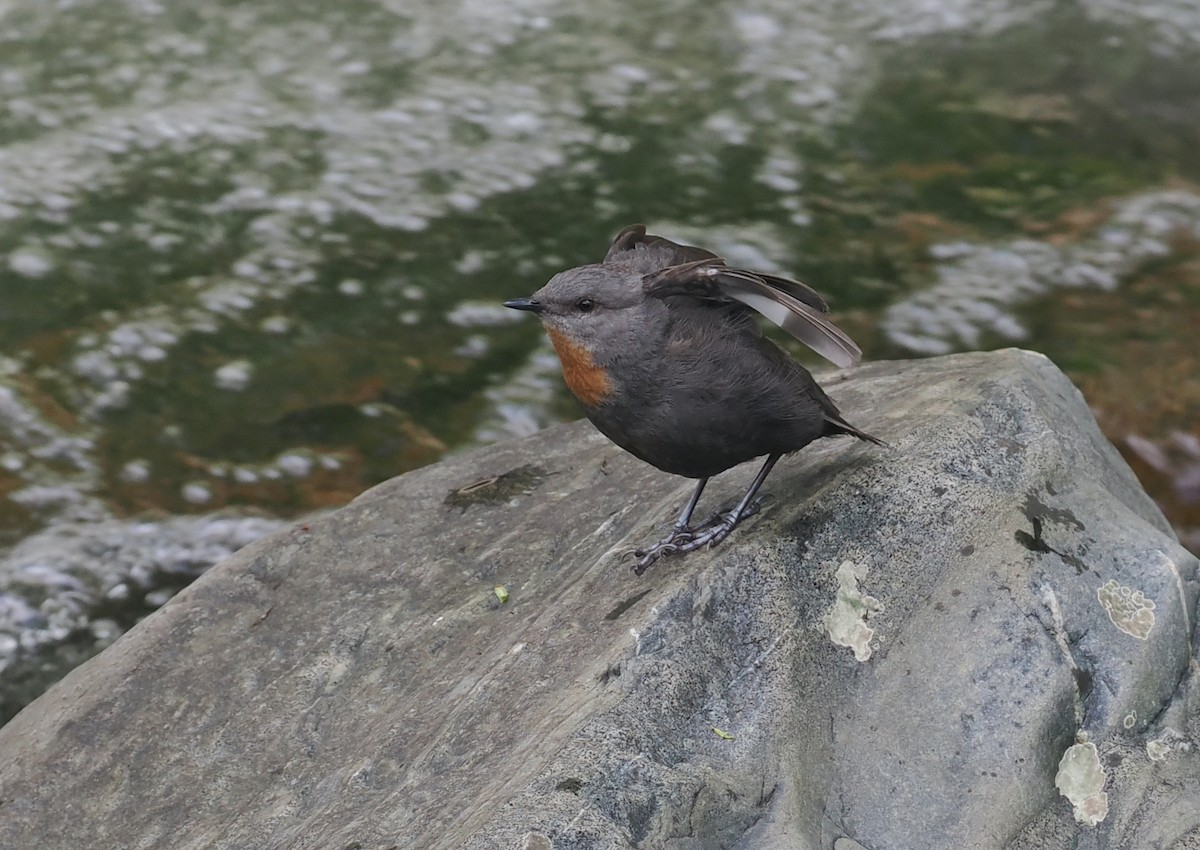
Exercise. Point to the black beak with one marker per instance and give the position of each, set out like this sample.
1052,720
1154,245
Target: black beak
524,304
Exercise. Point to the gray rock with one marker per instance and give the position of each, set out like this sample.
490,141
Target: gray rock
356,682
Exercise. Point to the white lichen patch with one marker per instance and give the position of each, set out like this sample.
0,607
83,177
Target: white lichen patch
846,621
1081,780
1158,749
1129,609
1171,739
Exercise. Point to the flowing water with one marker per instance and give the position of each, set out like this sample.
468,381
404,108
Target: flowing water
251,254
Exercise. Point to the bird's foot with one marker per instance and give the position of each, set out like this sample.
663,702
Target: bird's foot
683,539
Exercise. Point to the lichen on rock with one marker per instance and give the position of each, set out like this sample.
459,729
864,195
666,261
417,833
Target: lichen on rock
846,621
1129,609
1081,780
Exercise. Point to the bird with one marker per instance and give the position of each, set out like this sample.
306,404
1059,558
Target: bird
660,346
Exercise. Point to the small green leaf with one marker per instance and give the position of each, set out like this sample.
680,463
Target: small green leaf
721,733
501,593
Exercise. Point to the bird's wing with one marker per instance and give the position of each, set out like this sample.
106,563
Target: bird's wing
790,304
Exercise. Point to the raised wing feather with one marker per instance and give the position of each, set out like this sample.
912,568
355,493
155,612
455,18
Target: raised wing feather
667,253
778,299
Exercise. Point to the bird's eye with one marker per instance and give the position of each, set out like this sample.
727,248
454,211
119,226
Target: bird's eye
585,305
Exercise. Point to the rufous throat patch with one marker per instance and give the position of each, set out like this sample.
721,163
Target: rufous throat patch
589,382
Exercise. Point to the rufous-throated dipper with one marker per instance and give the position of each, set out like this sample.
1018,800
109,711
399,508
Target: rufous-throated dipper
660,346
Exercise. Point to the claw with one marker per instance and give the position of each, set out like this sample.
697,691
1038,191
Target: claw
677,542
649,556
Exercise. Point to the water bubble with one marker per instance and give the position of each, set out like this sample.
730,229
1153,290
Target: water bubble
135,471
295,465
30,263
234,376
197,493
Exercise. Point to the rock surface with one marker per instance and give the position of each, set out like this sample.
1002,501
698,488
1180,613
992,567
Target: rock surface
357,683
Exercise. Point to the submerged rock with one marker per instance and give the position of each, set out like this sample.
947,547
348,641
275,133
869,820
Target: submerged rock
358,681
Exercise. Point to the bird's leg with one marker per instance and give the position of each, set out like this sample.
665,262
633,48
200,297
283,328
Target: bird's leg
713,531
719,527
685,518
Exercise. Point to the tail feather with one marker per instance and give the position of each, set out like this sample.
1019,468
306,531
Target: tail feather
837,425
